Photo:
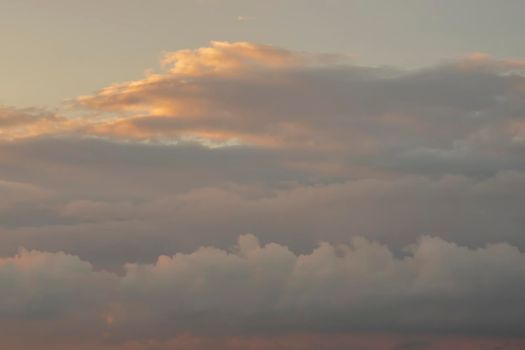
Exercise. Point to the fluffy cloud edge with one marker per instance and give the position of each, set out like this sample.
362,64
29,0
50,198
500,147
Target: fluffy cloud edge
432,286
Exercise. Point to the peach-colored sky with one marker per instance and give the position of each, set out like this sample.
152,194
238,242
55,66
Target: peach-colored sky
60,49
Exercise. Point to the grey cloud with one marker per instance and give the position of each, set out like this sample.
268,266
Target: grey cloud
323,152
255,289
470,110
73,165
110,231
38,285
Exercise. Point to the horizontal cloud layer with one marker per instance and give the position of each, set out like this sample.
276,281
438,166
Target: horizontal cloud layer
102,200
433,286
240,92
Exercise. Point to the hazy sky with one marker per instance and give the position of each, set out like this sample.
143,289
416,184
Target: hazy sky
57,49
270,175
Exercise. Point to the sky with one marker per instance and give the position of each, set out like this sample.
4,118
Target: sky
227,175
58,49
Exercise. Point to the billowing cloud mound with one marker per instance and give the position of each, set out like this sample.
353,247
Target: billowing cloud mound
38,285
253,289
437,286
460,116
266,96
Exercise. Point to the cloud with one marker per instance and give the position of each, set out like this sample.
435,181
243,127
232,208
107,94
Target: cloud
452,168
17,123
100,195
41,286
297,148
252,290
271,97
245,18
463,116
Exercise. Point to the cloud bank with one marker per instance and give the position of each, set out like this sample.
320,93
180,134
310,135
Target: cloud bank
119,197
251,290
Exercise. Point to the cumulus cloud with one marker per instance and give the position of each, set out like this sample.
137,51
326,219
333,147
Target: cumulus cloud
272,97
252,290
226,57
249,94
462,116
39,285
438,286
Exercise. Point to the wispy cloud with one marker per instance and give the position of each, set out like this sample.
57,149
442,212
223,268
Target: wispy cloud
245,18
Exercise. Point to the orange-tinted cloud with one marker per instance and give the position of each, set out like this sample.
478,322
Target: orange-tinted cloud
243,93
247,94
21,123
231,58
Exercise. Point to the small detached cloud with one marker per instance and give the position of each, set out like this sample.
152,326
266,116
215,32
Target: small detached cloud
245,18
